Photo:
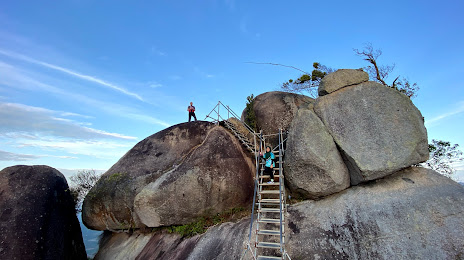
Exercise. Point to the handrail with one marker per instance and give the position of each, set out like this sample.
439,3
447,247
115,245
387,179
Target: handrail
229,112
255,192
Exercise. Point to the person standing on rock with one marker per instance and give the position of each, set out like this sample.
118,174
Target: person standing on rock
191,110
270,164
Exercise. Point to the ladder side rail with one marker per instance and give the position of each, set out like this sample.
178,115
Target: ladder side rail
256,190
280,189
260,188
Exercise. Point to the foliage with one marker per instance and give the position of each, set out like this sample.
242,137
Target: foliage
250,117
308,82
203,223
81,184
380,73
442,157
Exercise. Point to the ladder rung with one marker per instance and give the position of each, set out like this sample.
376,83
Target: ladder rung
269,220
263,257
269,245
269,232
270,201
269,184
269,210
262,163
270,192
268,176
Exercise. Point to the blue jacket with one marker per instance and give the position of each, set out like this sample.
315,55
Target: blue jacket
269,157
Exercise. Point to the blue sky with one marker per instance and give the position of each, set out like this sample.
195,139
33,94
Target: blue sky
81,81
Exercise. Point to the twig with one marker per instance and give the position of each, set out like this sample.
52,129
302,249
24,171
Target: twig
277,64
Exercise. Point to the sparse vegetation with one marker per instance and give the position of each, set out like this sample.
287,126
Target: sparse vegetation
308,83
442,157
81,184
250,117
203,223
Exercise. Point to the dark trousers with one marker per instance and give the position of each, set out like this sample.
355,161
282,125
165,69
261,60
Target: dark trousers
268,170
192,114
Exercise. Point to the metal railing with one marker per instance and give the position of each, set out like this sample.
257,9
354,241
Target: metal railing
218,118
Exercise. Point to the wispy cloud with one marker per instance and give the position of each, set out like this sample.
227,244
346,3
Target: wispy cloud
175,77
8,156
155,51
22,118
70,72
457,110
18,79
18,157
102,149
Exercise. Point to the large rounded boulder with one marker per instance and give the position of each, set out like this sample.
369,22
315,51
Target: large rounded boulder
413,214
174,156
214,178
378,129
340,79
313,166
275,110
37,218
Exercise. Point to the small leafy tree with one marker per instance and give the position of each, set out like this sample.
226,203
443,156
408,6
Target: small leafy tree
442,157
82,182
308,83
250,117
380,73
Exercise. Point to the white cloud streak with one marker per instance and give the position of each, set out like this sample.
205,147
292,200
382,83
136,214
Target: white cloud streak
8,156
458,110
18,157
19,118
70,72
16,78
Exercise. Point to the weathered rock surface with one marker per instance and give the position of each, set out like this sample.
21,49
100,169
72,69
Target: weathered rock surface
340,79
413,214
313,165
225,241
37,217
214,178
169,162
378,129
275,110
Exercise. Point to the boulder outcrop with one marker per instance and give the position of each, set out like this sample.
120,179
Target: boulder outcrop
413,214
313,166
340,79
378,129
37,218
181,172
275,110
214,178
225,241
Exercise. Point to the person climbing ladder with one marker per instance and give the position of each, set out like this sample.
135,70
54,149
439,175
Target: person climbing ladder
270,164
191,110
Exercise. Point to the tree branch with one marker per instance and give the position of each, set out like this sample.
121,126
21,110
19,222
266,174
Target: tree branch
277,64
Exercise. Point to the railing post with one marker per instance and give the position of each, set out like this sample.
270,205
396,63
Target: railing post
219,102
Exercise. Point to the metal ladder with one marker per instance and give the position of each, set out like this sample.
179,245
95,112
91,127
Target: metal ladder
271,210
269,200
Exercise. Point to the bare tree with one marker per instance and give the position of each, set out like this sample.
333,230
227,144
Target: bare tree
380,73
442,157
82,182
